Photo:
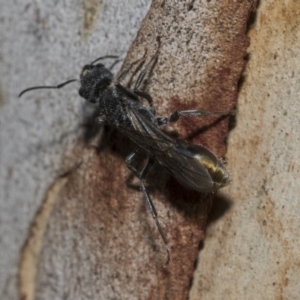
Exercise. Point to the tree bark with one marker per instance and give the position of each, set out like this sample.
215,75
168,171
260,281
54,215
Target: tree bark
253,251
91,235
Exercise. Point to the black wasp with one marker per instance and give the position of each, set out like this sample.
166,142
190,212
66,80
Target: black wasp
193,166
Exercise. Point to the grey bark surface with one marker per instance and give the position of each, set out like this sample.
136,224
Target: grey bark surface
73,222
46,43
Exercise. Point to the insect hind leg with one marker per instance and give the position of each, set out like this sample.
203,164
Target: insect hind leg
142,176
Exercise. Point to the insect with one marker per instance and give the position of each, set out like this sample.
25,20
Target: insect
193,166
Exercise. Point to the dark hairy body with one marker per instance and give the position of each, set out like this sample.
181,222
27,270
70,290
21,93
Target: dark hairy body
193,166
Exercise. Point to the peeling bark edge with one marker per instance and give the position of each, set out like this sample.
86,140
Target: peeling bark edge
30,254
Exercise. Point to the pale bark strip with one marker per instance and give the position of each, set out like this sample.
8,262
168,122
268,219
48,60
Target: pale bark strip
32,249
253,252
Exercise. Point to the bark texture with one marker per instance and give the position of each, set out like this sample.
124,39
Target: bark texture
253,252
100,229
92,237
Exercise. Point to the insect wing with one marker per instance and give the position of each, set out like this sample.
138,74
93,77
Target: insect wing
147,135
187,170
178,161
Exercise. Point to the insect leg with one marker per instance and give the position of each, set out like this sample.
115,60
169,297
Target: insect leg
148,98
152,208
192,113
134,94
114,63
144,71
142,176
140,80
129,160
127,69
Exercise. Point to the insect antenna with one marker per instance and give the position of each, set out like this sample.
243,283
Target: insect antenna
114,63
47,87
103,57
69,81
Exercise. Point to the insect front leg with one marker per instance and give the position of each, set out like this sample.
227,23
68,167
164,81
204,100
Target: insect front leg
140,79
142,176
191,113
141,61
148,98
134,94
144,71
